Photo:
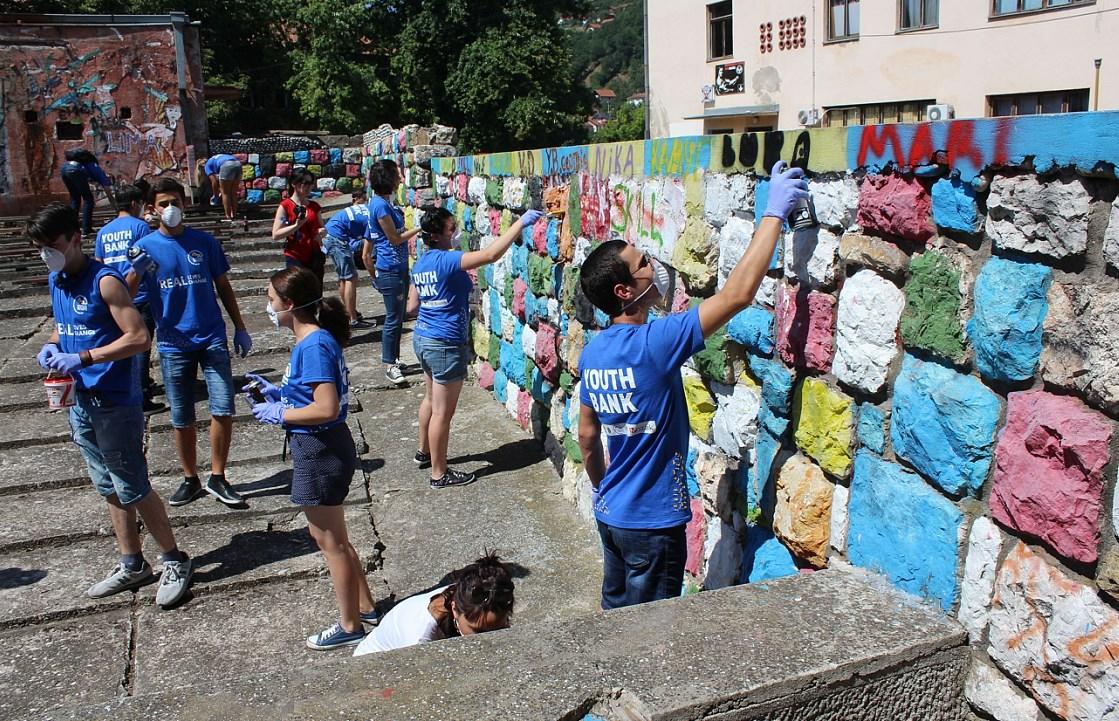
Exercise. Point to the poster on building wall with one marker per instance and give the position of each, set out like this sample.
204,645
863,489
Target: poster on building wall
708,93
730,78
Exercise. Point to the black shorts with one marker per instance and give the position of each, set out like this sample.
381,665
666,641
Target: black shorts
324,463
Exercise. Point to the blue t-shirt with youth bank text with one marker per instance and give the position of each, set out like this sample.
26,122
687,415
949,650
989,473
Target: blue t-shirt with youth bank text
444,291
389,257
630,376
315,359
113,242
213,165
185,303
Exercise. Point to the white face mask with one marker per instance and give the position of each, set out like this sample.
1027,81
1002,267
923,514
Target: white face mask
660,282
55,259
456,238
274,315
171,216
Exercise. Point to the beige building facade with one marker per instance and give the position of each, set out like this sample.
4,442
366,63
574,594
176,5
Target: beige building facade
739,65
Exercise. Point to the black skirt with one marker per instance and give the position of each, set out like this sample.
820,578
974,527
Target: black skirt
324,464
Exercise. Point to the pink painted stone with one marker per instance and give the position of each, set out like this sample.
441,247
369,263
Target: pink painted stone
547,358
893,205
540,237
696,533
594,207
524,409
680,300
805,328
319,156
462,180
473,273
519,290
260,184
485,376
352,170
283,170
495,221
1049,472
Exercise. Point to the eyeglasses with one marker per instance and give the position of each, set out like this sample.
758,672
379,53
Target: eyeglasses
643,263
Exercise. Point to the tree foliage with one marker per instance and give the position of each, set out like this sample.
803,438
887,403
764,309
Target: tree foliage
613,55
627,124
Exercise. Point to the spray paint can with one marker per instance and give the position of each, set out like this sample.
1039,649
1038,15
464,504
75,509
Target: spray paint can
803,215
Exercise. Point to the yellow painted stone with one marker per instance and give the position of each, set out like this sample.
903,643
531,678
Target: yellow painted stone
506,220
701,407
481,338
409,217
749,381
825,426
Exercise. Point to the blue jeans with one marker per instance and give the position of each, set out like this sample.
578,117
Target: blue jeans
111,438
76,181
641,565
393,286
444,362
341,255
180,369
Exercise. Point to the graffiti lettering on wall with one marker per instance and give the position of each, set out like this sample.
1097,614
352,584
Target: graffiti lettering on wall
649,214
626,160
677,156
565,161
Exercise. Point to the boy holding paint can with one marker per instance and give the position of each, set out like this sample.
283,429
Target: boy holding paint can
98,334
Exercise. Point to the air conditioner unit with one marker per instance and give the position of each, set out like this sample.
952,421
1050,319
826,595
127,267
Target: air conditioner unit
809,117
942,111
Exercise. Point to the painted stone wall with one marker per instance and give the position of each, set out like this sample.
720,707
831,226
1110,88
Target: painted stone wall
926,385
115,87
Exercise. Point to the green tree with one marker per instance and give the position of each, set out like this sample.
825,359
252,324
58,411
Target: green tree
627,124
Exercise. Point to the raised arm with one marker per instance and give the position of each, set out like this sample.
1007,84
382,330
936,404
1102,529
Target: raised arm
496,249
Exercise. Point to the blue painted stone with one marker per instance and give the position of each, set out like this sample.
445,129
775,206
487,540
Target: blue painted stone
500,385
449,204
690,474
601,319
335,156
758,477
753,329
532,309
1010,308
526,236
953,205
772,422
567,413
513,363
777,383
764,558
488,270
903,528
302,156
254,197
467,219
761,198
872,428
519,256
495,310
541,389
557,281
944,424
565,321
553,238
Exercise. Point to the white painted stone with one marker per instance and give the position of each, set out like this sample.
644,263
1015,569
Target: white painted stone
573,411
528,343
1111,237
508,324
476,190
254,158
839,521
836,201
722,554
554,312
866,330
556,410
767,292
513,193
812,256
724,194
582,250
1056,637
664,197
501,268
277,183
443,186
733,240
486,317
735,426
983,546
992,693
716,481
512,390
481,220
1035,217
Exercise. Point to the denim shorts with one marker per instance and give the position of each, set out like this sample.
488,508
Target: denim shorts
230,170
180,370
111,438
445,362
341,255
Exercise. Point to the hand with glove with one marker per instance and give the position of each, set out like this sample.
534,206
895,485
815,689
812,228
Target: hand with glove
46,353
64,363
266,389
242,342
141,261
270,412
530,217
786,187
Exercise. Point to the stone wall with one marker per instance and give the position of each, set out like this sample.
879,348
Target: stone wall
927,385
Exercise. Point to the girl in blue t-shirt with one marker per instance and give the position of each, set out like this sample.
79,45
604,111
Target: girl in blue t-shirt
441,291
311,403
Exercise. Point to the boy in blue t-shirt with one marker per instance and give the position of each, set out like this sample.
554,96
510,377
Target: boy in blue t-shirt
630,388
111,248
185,270
345,235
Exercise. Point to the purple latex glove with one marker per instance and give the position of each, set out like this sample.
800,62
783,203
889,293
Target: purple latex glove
530,217
64,363
46,353
268,390
786,186
270,412
242,342
141,263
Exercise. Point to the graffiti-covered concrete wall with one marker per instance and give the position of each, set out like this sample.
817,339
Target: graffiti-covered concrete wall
927,384
112,87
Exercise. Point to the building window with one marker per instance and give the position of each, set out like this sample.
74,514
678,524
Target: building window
1013,7
918,14
68,131
909,111
722,35
843,19
1056,101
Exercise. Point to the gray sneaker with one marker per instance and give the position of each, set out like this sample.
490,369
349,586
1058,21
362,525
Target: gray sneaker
120,579
395,375
174,582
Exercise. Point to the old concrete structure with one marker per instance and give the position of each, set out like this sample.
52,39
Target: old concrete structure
129,88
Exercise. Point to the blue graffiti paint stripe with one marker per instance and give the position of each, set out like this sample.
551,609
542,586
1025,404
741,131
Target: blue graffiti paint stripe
564,161
155,93
83,59
677,156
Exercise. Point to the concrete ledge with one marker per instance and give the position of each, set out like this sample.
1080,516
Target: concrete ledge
837,644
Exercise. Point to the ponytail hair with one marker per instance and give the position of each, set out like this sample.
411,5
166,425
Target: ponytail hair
433,222
303,290
482,588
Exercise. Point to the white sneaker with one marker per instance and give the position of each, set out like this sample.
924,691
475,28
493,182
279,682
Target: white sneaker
120,579
174,582
395,375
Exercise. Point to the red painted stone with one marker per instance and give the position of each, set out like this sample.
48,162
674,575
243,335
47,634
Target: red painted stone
524,409
519,290
320,156
495,221
805,328
485,376
1049,472
462,180
893,205
697,534
353,170
594,207
283,170
547,357
680,300
260,184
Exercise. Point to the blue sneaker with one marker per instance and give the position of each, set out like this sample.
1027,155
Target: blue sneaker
334,637
371,618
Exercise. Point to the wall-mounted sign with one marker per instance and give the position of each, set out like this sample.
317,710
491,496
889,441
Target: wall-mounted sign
708,92
730,78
